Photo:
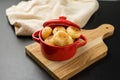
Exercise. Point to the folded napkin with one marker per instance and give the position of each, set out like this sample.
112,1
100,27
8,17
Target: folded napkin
28,16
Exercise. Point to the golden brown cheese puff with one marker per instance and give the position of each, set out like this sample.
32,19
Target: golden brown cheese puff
58,28
70,40
49,40
61,38
47,31
73,32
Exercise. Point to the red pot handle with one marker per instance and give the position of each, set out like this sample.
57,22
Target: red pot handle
79,43
35,36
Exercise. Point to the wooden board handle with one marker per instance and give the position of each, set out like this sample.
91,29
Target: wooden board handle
105,30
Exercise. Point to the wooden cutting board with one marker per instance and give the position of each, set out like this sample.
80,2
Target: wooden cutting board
94,50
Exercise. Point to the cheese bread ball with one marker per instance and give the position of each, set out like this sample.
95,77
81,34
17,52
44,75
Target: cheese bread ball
73,32
61,38
49,40
58,28
70,40
47,31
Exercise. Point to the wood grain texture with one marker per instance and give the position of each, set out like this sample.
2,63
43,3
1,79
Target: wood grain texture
94,50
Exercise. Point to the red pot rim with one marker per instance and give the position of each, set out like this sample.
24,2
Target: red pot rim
75,43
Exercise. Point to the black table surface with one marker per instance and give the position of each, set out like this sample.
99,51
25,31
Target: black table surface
16,65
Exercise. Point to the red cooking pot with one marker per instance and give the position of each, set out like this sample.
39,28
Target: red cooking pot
58,53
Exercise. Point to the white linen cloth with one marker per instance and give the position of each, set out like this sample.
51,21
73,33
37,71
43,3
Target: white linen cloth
28,16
